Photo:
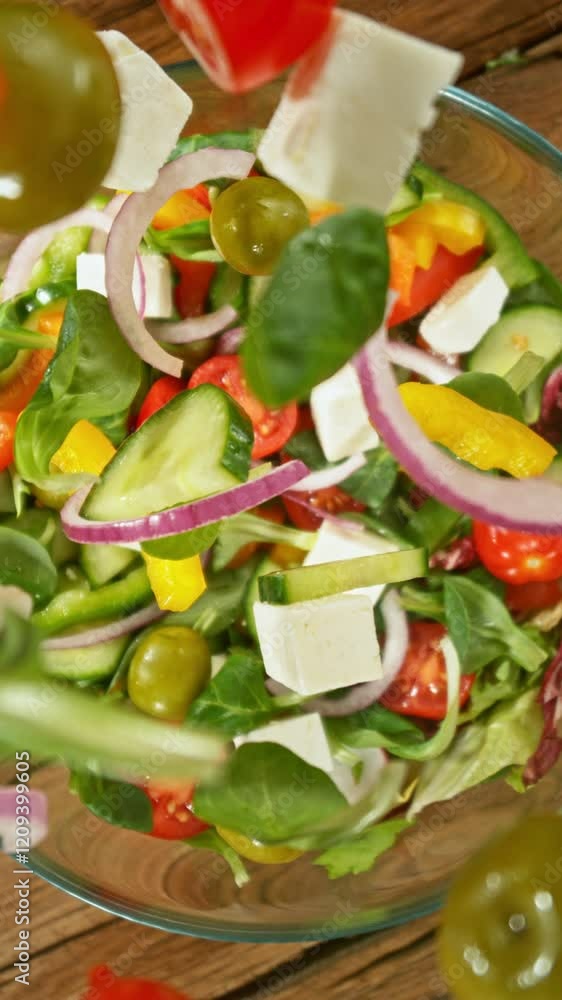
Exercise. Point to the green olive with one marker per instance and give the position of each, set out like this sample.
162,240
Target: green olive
253,220
502,924
60,112
169,669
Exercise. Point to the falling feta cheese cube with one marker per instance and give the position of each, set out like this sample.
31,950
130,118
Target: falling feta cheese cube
349,123
154,112
90,274
320,645
334,543
341,417
457,323
305,736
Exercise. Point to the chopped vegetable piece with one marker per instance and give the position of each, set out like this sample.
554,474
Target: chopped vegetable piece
84,449
176,583
517,556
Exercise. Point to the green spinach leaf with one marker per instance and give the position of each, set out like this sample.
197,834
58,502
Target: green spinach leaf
236,701
433,524
359,854
490,391
116,802
25,563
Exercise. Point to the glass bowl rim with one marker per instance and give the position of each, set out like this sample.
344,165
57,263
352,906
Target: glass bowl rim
541,149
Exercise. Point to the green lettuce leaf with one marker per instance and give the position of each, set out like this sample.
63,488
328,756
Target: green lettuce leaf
359,854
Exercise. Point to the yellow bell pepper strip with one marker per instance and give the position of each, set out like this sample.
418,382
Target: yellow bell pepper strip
176,583
84,449
441,223
486,439
421,239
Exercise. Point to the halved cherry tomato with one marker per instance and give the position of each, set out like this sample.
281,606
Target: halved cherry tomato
272,428
272,512
191,205
524,597
420,688
192,290
171,813
8,421
105,985
333,500
163,390
518,556
429,285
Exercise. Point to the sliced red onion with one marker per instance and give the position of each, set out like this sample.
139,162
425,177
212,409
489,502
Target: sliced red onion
424,364
374,760
526,505
9,821
230,341
324,515
130,226
16,600
98,241
186,517
105,633
30,249
324,478
189,331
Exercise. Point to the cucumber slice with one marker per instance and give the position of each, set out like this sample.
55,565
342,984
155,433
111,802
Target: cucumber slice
406,200
102,563
79,607
508,253
253,593
90,663
528,328
308,583
199,443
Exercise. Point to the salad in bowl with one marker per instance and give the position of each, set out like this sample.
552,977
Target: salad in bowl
280,483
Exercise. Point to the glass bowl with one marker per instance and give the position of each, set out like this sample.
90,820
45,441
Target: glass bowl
165,884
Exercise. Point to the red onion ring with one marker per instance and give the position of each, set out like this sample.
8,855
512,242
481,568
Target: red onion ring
324,478
98,241
105,633
189,331
129,228
38,817
230,341
186,517
424,364
533,504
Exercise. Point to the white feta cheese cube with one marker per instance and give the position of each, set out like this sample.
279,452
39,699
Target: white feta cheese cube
90,274
154,112
341,417
305,736
334,543
457,323
349,122
320,645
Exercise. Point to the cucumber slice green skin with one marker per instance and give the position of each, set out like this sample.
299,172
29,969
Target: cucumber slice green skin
253,593
102,563
308,583
79,607
508,253
25,563
528,328
406,200
199,443
89,663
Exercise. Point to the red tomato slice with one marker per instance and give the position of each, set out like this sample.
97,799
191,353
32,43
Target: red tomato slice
429,285
192,290
163,390
518,556
272,428
251,43
333,500
526,597
105,985
8,420
420,688
172,815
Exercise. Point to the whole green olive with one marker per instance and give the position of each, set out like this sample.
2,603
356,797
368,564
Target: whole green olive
253,220
60,112
169,669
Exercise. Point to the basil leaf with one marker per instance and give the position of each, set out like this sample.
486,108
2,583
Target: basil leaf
306,446
323,302
375,481
433,524
93,375
490,391
25,563
236,700
268,794
221,604
210,840
116,802
359,854
248,141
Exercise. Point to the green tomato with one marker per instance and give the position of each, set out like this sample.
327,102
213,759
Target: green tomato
60,109
169,669
502,924
253,220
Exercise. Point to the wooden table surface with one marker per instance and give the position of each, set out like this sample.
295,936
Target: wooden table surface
68,937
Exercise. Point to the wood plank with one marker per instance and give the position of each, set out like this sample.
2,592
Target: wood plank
531,93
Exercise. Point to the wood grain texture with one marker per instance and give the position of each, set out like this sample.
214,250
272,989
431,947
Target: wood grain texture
400,964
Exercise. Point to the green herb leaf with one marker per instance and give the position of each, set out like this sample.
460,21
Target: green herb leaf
433,524
238,531
248,140
25,563
190,242
490,391
222,603
500,681
236,701
545,290
210,840
359,854
376,726
323,302
116,802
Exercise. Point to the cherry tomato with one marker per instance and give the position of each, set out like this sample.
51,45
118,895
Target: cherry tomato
192,290
253,220
524,597
171,813
263,854
420,688
429,285
245,43
272,428
8,421
271,512
59,150
105,985
160,393
500,937
518,556
333,500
